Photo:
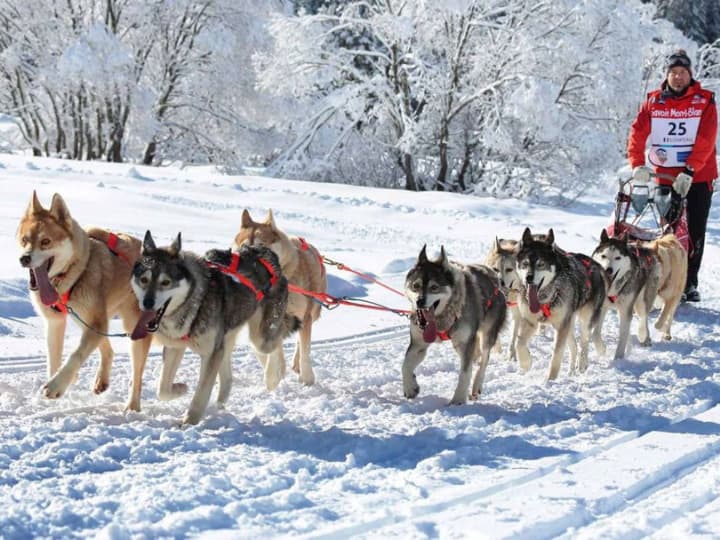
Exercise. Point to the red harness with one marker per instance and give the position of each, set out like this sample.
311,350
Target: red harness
305,247
61,305
444,335
232,271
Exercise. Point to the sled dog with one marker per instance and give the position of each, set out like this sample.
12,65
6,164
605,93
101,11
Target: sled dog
559,286
202,304
456,302
303,267
502,259
673,273
633,274
85,272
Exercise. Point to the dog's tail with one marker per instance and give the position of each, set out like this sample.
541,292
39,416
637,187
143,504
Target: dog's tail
124,246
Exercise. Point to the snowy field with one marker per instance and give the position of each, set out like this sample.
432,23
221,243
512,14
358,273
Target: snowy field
630,450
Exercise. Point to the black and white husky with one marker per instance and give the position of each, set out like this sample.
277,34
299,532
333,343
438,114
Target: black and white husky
456,302
559,286
634,274
201,304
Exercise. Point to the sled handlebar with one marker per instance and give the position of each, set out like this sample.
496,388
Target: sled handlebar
664,176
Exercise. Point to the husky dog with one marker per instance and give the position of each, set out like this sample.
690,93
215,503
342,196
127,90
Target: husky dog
502,259
458,302
673,273
85,273
633,273
303,266
203,304
557,287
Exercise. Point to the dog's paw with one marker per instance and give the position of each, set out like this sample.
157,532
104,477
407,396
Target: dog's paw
411,390
132,406
647,342
667,337
101,384
55,387
191,418
308,379
458,400
473,397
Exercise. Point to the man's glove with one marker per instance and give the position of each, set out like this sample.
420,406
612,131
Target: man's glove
642,174
682,183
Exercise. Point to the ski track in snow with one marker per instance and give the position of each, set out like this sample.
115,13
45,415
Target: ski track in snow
623,451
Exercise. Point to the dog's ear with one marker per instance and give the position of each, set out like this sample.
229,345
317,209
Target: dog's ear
527,236
497,245
34,205
270,220
550,239
59,210
443,258
148,242
604,236
246,220
422,257
176,246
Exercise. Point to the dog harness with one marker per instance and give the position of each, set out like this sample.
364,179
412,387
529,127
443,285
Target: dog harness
232,271
61,306
444,335
305,247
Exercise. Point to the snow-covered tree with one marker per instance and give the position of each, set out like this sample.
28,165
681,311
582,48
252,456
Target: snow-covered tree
507,97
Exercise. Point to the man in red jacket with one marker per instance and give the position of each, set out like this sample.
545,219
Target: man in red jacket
681,120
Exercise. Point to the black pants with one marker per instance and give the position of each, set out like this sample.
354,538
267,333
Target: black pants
699,199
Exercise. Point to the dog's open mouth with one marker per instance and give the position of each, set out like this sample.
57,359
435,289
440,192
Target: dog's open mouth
148,322
426,321
40,281
533,298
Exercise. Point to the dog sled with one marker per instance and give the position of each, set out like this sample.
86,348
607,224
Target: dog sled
646,211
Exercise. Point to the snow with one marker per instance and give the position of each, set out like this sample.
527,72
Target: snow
629,449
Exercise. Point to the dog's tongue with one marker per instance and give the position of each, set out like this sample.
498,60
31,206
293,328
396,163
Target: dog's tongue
532,296
430,331
141,328
48,294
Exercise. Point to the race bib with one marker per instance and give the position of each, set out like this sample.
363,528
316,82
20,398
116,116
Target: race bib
672,140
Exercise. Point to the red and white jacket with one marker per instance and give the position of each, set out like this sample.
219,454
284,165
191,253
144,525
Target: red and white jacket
682,132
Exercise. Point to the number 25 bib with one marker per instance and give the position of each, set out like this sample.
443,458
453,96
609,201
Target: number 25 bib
674,126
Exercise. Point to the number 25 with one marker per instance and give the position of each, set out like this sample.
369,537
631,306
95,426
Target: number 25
677,129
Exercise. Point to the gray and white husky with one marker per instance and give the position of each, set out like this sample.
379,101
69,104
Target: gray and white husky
202,304
633,273
456,302
559,286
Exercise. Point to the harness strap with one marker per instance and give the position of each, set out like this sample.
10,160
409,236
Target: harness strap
61,305
234,274
112,244
306,247
546,310
444,335
271,270
232,271
612,298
